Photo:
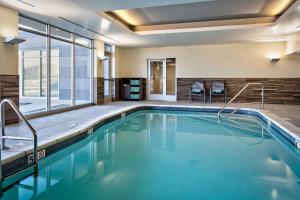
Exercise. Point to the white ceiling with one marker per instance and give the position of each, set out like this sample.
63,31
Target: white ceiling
200,11
84,12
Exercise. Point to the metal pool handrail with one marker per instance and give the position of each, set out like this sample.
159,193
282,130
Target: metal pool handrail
3,137
238,94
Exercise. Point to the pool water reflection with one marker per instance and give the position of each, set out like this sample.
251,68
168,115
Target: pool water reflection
168,155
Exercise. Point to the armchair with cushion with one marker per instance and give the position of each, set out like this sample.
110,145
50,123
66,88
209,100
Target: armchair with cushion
197,90
218,89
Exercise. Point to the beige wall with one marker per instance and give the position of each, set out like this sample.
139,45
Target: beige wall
293,43
246,60
118,52
9,20
99,53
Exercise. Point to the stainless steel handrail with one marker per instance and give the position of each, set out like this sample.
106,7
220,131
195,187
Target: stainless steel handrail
3,137
237,108
237,126
238,94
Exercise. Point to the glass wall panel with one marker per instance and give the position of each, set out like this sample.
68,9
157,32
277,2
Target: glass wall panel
32,68
31,73
60,74
107,48
61,33
171,76
106,77
82,75
156,77
69,71
32,25
44,73
83,41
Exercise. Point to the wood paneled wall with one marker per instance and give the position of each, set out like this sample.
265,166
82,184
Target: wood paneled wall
116,89
9,89
277,90
98,90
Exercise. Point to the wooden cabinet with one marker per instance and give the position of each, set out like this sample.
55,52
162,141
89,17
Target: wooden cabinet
132,89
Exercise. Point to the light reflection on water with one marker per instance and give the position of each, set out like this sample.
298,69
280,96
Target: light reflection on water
167,155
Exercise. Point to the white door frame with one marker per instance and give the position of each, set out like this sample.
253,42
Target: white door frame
163,96
107,98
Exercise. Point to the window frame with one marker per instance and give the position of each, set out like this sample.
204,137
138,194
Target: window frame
49,36
40,71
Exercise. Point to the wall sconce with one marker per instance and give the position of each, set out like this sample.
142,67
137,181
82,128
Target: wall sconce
13,40
274,60
102,58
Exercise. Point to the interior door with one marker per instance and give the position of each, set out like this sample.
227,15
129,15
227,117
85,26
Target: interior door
107,80
159,79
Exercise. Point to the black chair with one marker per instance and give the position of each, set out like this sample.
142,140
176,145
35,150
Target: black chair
218,89
197,90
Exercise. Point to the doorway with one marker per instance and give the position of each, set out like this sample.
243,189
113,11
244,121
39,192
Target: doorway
161,81
107,80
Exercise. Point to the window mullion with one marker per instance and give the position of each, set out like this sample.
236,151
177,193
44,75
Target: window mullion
40,74
23,70
48,79
92,67
73,72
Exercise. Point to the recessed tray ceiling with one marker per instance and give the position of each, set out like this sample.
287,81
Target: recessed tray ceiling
200,14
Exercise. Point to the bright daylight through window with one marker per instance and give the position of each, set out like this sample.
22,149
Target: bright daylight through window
56,79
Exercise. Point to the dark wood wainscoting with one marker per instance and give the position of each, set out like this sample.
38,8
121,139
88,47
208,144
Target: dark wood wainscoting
116,89
98,90
277,90
9,88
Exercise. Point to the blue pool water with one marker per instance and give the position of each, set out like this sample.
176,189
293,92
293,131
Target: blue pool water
169,155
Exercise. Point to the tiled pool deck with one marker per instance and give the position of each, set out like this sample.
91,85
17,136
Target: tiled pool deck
57,127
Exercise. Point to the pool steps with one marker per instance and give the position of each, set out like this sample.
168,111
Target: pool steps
256,133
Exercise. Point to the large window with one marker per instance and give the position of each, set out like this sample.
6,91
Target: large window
55,67
82,74
61,74
33,72
108,65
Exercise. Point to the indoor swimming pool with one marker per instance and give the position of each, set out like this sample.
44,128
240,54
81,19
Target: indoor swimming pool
159,154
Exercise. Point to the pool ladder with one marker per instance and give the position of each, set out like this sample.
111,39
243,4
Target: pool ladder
5,137
238,94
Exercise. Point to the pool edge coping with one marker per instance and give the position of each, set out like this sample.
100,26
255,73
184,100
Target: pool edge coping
80,132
